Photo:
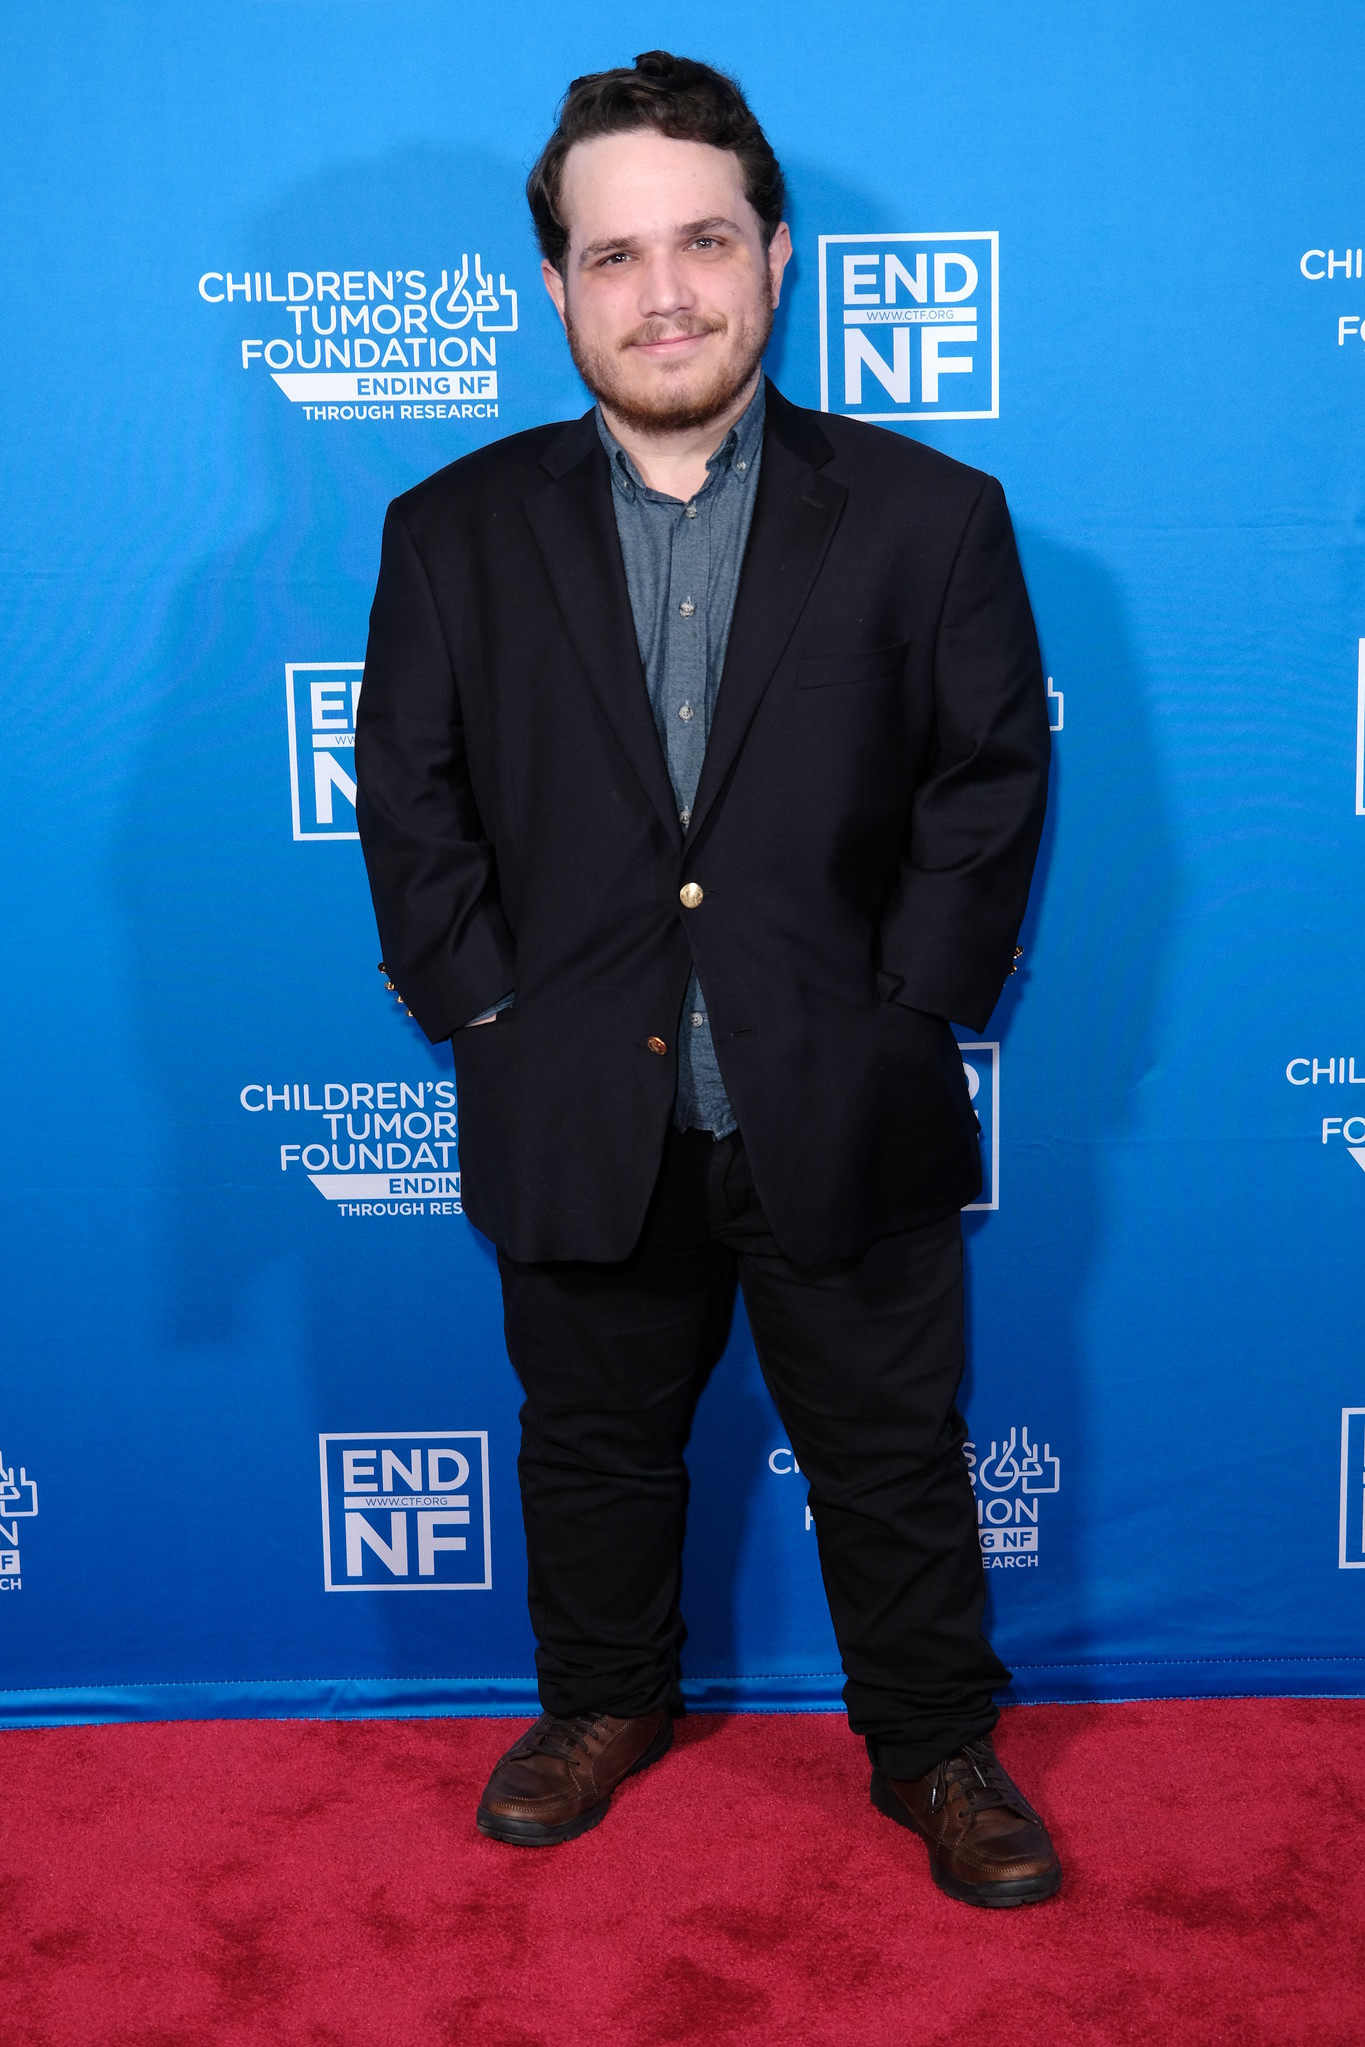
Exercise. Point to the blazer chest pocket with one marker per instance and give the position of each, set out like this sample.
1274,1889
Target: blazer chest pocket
857,664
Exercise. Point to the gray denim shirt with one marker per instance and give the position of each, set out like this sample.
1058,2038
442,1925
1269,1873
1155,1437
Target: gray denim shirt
682,570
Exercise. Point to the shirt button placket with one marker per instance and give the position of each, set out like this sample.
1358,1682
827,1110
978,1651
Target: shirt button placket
692,647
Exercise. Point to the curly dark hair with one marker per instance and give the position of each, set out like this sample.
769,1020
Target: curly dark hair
679,98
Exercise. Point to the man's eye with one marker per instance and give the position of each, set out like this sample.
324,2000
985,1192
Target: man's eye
616,256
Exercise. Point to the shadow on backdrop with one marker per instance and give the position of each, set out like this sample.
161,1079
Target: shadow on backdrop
1082,1022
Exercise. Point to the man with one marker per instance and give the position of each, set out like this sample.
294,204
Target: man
702,759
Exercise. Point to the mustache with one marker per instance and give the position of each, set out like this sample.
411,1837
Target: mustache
672,330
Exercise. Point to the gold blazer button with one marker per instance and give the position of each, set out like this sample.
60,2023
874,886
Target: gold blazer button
656,1045
690,895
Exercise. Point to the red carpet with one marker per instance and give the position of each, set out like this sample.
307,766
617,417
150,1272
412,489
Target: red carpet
303,1882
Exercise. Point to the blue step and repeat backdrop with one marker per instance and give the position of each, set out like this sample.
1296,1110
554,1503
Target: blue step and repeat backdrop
269,264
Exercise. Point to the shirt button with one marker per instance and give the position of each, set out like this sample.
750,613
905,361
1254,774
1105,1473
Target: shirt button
741,467
691,512
697,1019
687,608
685,713
656,1045
690,895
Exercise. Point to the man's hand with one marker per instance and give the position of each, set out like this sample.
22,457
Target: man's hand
490,1015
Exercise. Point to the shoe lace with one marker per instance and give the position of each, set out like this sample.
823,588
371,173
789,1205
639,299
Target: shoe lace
977,1774
564,1738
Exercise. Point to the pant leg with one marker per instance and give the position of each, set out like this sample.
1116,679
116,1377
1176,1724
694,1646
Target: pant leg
612,1359
863,1362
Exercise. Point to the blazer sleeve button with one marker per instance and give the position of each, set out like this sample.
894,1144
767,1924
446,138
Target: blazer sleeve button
656,1045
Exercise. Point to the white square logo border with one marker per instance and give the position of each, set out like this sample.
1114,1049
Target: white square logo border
989,236
378,1437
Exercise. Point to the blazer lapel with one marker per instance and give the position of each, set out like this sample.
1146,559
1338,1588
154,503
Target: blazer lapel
575,529
794,519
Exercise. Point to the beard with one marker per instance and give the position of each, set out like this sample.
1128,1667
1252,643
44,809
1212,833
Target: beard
679,403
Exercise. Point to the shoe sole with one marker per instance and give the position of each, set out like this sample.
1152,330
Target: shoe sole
999,1896
535,1834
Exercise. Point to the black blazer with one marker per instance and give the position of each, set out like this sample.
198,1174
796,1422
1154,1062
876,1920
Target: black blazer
863,833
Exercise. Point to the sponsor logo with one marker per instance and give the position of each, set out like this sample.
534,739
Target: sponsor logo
1338,1069
321,698
1325,266
374,344
406,1513
1009,1480
18,1502
384,1147
981,1063
909,325
1351,1548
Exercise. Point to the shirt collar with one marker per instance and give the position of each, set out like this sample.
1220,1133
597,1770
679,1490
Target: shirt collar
738,451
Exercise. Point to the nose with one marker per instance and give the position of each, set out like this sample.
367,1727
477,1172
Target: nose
665,289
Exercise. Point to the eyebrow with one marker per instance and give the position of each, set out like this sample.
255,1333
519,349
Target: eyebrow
689,230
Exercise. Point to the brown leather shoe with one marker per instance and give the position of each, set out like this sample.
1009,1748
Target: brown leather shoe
558,1779
987,1846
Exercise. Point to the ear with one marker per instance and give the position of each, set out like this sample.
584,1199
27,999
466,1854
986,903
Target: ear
779,256
554,284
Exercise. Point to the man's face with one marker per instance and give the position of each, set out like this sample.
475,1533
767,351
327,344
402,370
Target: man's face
667,295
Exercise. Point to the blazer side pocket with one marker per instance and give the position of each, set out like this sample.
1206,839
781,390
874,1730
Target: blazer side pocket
858,664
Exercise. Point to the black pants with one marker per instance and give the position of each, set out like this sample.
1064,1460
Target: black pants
863,1361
